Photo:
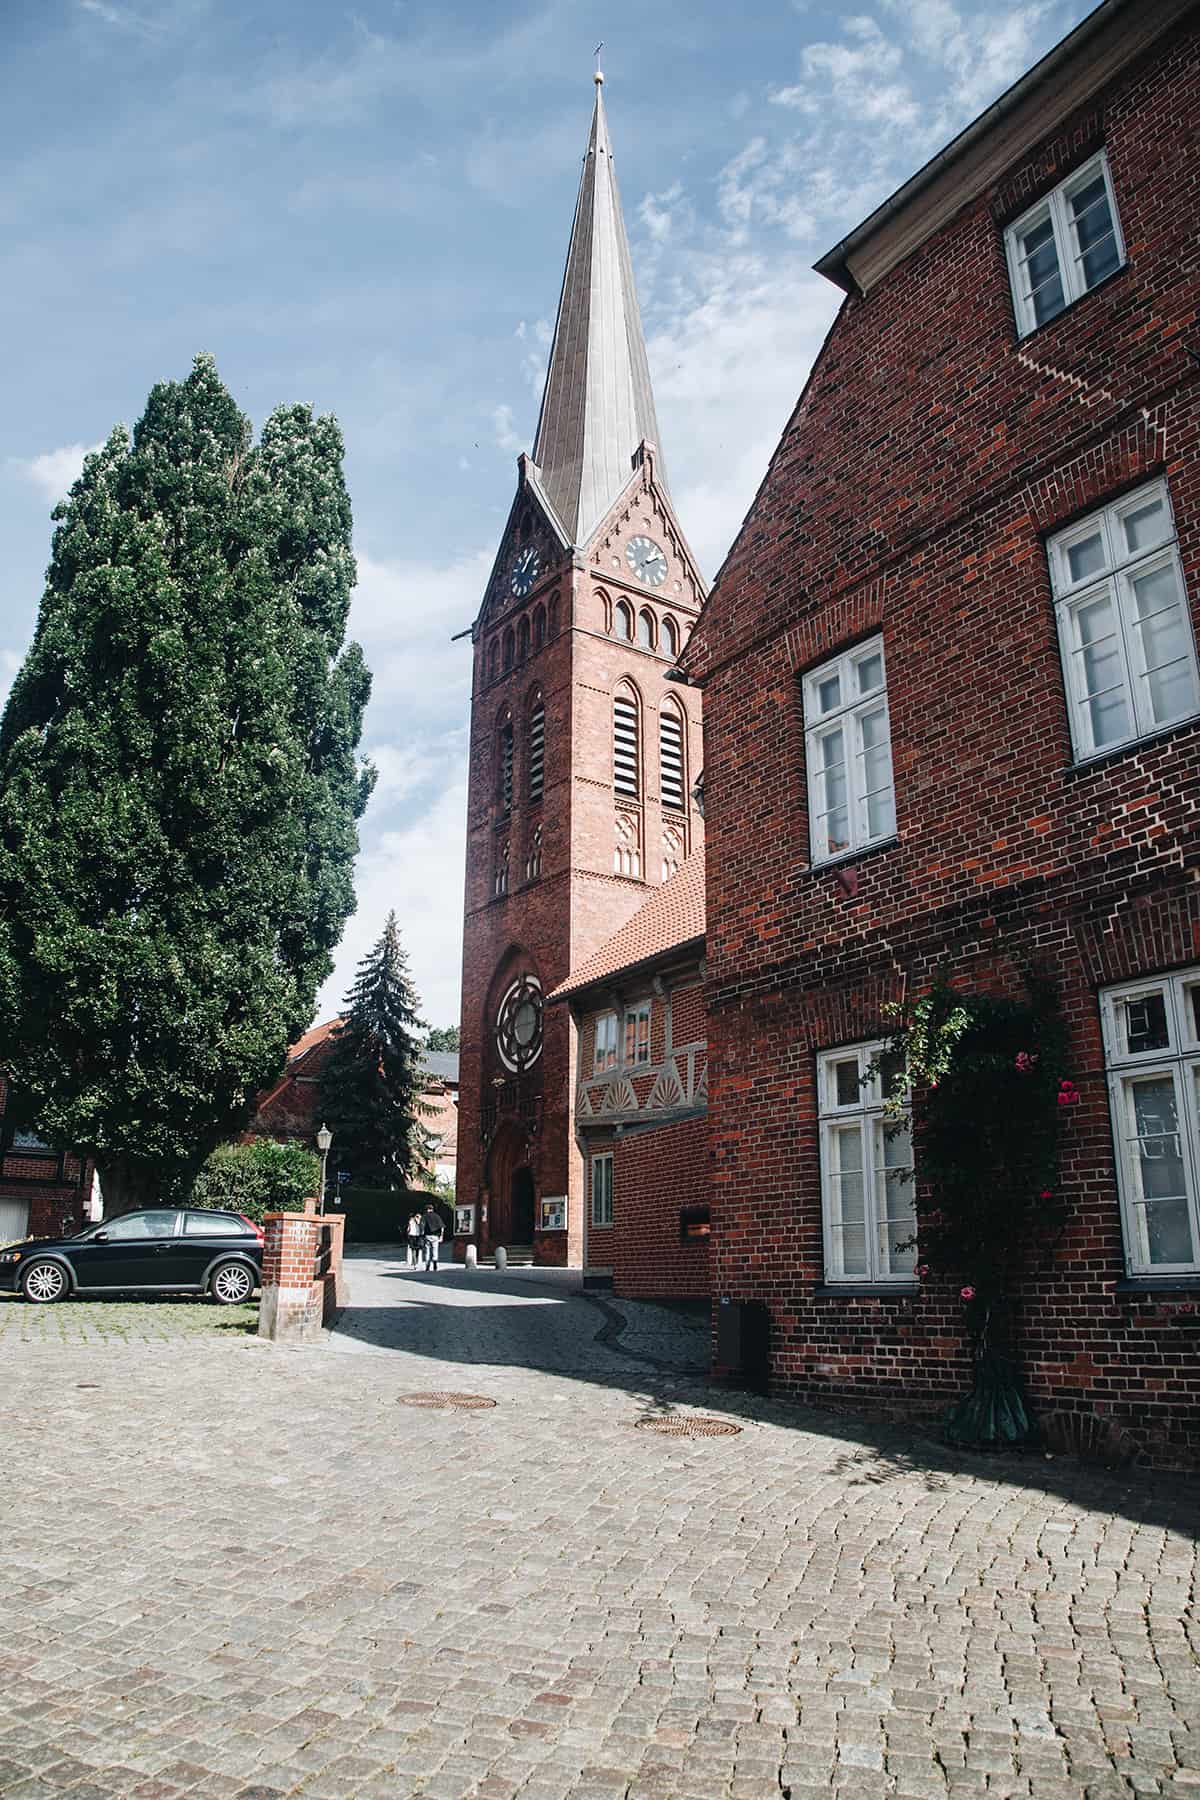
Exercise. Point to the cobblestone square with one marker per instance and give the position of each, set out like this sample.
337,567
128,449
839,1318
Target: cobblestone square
235,1570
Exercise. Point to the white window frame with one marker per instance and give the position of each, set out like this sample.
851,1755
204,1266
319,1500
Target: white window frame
867,1110
1115,583
601,1187
1179,1059
605,1049
635,1014
1055,208
847,717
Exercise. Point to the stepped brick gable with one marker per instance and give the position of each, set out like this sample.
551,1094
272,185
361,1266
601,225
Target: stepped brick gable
583,753
949,671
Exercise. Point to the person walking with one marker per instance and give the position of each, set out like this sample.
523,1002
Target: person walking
431,1237
414,1240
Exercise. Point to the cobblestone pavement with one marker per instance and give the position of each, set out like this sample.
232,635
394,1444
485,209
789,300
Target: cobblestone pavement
231,1569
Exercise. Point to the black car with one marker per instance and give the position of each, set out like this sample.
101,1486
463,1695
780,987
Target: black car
162,1249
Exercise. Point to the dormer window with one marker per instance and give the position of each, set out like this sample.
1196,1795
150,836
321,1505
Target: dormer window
1064,246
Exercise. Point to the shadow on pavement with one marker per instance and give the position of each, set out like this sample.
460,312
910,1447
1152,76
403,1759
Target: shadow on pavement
598,1341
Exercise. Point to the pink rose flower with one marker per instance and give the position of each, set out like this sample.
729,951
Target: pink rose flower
1025,1061
968,1293
1045,1194
922,1270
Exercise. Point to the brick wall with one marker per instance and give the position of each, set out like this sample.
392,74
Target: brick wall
912,493
656,1172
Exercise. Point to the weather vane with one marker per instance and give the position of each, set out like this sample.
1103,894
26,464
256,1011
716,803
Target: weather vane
596,54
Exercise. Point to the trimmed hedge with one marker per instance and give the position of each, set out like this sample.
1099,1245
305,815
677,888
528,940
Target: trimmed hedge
257,1178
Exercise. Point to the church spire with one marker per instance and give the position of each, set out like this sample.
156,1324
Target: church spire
598,405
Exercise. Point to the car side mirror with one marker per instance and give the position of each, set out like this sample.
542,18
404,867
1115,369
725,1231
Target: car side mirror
101,1237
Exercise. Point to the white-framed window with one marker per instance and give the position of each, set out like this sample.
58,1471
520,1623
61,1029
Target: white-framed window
602,1189
1064,245
1152,1055
1129,656
848,748
606,1043
637,1034
867,1183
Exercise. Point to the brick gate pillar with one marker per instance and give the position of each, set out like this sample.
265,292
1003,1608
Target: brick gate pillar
292,1292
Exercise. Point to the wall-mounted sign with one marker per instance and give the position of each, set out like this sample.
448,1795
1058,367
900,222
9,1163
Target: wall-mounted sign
464,1221
554,1212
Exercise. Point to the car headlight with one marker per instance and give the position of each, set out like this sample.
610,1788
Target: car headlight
10,1256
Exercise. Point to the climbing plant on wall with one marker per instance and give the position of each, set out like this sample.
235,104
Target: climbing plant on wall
989,1092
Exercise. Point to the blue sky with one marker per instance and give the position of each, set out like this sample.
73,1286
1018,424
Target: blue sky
368,207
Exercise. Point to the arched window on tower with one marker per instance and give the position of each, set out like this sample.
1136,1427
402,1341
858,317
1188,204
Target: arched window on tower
623,621
510,648
672,754
670,632
535,760
646,632
523,639
493,659
626,745
539,627
552,617
504,765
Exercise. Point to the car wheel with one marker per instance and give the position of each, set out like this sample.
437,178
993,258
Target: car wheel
231,1283
44,1282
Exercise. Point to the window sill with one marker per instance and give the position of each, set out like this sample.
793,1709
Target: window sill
1084,765
850,1291
1158,1284
1114,275
852,856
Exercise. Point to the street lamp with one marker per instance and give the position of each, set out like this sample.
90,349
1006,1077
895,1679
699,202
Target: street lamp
324,1139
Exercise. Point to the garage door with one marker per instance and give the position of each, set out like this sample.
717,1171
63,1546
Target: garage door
14,1221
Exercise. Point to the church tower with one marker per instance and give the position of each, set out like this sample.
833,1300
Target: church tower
583,752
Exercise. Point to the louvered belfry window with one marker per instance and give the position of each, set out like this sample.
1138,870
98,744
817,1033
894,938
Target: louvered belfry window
506,766
670,749
625,746
537,754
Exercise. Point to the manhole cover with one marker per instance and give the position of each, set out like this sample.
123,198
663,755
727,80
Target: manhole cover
694,1427
448,1402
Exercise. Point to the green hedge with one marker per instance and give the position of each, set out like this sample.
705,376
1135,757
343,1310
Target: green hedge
257,1178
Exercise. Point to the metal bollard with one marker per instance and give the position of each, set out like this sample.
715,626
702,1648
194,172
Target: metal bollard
471,1259
501,1257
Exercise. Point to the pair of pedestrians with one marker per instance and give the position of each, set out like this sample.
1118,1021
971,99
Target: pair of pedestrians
425,1233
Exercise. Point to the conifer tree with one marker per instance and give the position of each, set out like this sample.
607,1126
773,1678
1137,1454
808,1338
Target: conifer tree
371,1084
179,784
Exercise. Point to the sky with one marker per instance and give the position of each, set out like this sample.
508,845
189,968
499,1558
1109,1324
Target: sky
367,207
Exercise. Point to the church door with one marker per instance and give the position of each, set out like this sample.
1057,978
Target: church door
522,1206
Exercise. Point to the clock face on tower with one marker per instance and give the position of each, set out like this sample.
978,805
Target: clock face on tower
646,560
524,571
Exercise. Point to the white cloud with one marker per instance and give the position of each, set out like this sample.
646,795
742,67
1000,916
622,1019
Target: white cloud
418,870
55,470
404,614
502,427
122,17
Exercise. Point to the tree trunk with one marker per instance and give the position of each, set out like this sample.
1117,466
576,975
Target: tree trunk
126,1185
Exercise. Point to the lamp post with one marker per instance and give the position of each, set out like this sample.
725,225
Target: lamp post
324,1139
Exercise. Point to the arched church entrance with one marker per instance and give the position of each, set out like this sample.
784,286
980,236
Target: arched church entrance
522,1206
509,1181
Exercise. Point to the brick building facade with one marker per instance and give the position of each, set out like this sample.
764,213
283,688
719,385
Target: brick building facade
641,1096
949,671
582,753
288,1111
43,1192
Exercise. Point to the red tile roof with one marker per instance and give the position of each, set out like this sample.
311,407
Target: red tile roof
670,918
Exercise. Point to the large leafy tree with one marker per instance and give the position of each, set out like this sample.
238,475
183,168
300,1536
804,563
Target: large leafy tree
179,783
442,1037
371,1084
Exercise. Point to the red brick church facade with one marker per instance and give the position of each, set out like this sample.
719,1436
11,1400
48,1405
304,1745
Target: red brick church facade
583,754
949,670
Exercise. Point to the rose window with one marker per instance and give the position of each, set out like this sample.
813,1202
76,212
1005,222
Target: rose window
519,1024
